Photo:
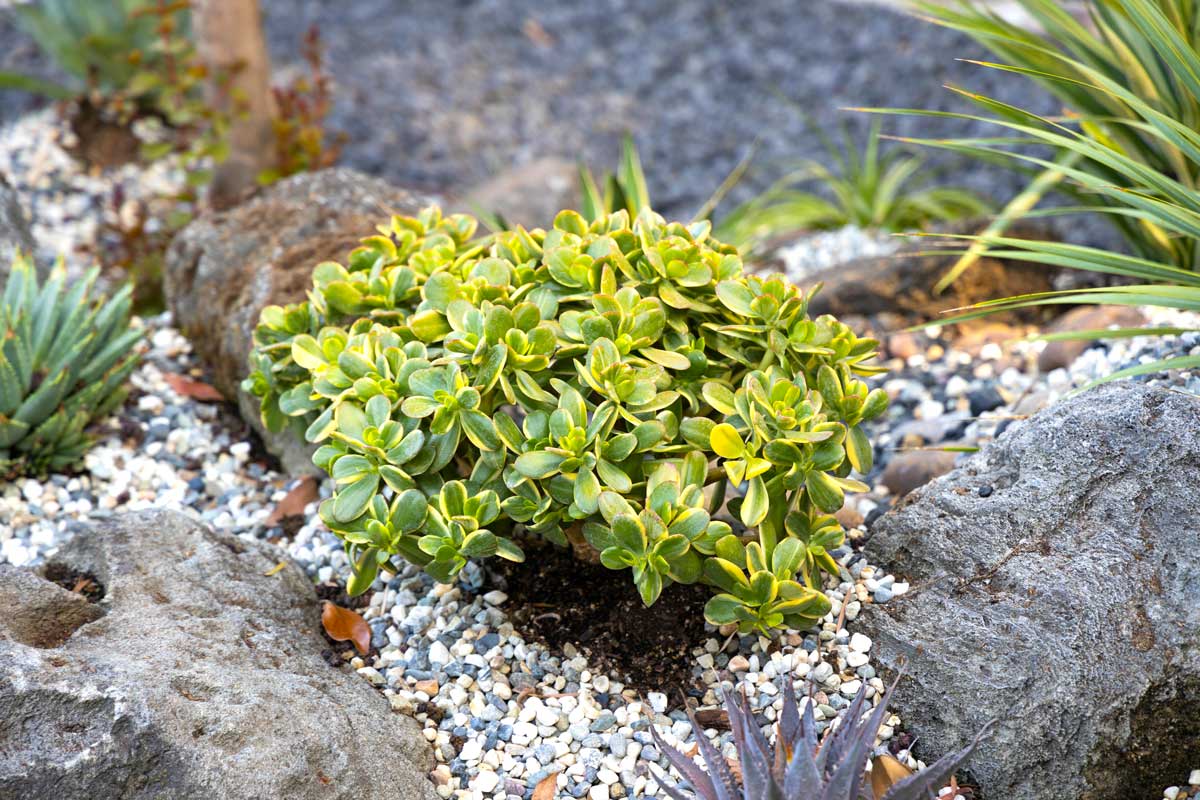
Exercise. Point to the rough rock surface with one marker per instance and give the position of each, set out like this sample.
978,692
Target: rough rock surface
15,233
224,268
528,194
1055,591
902,282
201,678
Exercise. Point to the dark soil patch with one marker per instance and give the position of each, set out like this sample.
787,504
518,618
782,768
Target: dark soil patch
82,583
555,599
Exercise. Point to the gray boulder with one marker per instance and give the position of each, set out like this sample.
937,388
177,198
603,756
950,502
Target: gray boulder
1055,591
196,676
222,269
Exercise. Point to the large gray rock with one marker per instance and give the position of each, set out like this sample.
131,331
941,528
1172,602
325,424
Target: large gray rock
1062,600
529,194
15,234
222,269
196,676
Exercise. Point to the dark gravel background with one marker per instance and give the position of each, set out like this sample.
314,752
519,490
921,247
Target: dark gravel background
441,95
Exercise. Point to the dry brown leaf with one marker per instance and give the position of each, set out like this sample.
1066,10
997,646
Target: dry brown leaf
545,789
535,33
886,772
344,625
293,503
275,570
190,387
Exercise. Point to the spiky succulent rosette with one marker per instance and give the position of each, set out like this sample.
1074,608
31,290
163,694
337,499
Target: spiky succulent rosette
799,768
64,359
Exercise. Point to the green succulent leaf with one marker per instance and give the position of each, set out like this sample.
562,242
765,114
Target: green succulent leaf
610,383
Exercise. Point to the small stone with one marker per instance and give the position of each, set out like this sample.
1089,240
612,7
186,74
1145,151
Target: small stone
860,643
495,598
914,468
439,655
738,664
486,781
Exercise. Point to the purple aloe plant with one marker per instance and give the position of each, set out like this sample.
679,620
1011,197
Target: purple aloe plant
800,768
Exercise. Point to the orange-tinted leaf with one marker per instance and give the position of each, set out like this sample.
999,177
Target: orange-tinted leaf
190,387
344,625
545,789
886,772
293,503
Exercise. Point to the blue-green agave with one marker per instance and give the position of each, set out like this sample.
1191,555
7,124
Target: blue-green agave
619,384
64,359
800,768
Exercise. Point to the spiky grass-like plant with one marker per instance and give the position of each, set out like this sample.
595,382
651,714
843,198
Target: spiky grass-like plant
1129,148
877,188
63,363
800,768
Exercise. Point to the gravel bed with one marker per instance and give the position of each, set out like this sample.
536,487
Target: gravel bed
502,713
819,251
67,205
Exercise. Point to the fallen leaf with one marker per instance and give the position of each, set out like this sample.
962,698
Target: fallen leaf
534,31
344,625
275,570
886,772
293,503
545,789
190,387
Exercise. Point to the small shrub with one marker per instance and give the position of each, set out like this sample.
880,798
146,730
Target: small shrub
63,365
620,385
800,769
301,142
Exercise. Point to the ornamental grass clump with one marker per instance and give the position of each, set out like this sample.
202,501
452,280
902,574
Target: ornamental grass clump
64,359
620,386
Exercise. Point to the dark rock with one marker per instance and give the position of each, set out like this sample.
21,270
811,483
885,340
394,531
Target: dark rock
1084,318
202,679
15,234
903,282
908,470
224,268
527,194
984,398
1064,606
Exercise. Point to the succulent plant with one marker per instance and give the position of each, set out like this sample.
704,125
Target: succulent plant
63,362
800,768
619,385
